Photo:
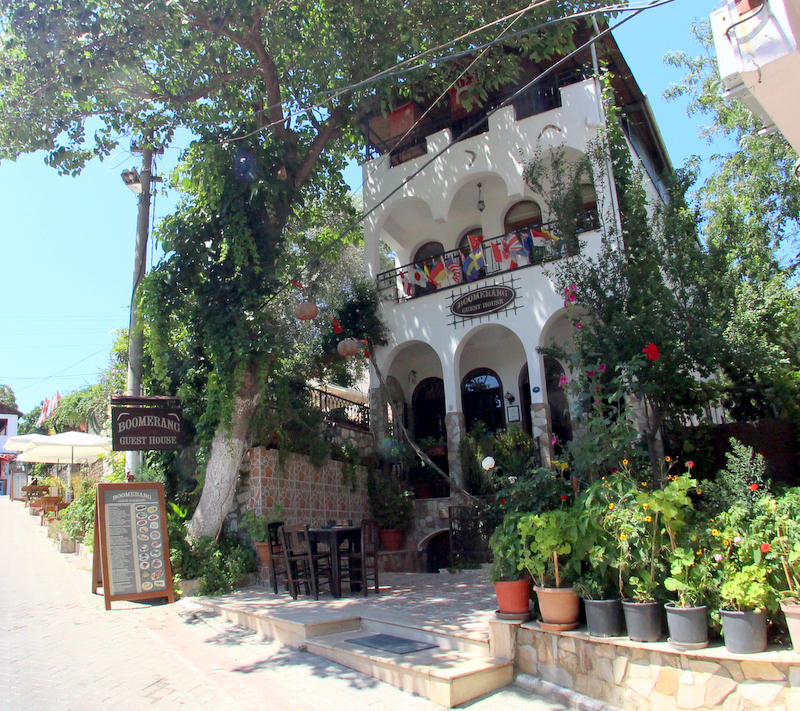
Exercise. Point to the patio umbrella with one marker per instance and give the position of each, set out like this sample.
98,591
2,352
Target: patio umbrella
66,448
19,443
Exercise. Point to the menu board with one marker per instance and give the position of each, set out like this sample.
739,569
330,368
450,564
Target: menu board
131,546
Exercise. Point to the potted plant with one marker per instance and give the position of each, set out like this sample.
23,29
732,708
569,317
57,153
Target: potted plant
512,584
551,555
744,596
257,526
392,506
692,571
624,509
433,446
604,616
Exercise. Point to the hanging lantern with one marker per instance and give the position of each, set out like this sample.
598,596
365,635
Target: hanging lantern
348,347
306,310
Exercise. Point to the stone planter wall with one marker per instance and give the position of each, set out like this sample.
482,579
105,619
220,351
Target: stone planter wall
654,677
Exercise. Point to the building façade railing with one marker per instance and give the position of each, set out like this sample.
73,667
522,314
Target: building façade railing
412,144
339,410
393,285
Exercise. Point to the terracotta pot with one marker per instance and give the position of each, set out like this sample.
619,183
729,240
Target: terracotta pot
791,610
262,550
513,597
559,607
391,539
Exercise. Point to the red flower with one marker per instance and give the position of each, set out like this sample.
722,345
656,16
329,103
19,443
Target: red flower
765,547
564,497
502,501
753,487
689,465
651,351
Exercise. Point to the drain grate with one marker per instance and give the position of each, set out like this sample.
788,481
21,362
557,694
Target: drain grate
390,643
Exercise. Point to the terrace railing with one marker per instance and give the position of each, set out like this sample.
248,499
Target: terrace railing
399,285
340,410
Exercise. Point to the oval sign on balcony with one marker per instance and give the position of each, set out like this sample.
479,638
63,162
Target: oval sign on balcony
485,300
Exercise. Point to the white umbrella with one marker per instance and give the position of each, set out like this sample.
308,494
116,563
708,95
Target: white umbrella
19,443
66,448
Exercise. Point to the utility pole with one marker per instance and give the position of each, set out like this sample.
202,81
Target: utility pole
139,183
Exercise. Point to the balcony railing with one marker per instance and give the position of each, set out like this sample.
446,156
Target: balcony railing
340,410
408,282
545,96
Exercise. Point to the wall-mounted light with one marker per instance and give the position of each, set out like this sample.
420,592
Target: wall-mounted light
510,397
481,203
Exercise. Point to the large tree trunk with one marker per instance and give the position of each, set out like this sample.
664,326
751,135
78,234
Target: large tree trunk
222,471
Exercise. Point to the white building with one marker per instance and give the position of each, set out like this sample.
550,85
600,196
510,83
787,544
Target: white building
9,420
759,62
462,352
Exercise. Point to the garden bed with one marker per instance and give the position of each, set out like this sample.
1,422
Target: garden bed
636,676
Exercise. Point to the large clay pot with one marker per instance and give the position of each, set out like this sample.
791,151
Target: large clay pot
643,620
791,610
391,539
559,608
513,599
744,632
262,550
604,618
688,626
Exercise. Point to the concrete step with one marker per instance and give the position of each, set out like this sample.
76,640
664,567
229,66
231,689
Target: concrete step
444,675
458,669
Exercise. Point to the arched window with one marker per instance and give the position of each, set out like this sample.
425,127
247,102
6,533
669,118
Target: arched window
482,400
427,252
521,215
591,218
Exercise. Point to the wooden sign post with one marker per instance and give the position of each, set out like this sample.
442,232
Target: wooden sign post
131,548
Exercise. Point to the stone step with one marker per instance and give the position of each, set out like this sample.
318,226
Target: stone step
447,676
458,669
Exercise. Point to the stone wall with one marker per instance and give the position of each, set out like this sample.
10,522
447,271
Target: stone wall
307,494
654,677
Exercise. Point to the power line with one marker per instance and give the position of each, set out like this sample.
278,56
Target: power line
83,360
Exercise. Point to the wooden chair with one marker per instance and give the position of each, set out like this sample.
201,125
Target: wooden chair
304,566
277,563
363,564
48,504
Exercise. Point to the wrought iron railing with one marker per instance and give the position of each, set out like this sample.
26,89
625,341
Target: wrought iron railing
471,527
406,146
340,410
398,284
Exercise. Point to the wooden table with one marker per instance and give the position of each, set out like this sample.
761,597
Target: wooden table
34,491
334,538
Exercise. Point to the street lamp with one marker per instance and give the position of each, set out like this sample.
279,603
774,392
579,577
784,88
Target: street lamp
133,180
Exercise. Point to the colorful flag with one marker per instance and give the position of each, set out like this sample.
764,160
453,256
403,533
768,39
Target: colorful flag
453,266
414,277
473,266
502,258
476,245
514,245
544,234
436,274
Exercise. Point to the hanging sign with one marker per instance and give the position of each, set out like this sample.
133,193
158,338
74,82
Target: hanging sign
485,300
146,428
131,549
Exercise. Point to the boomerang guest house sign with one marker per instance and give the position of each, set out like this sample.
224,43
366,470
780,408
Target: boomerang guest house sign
136,428
485,300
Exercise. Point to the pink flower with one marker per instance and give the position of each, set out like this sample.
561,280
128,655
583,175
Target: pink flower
718,557
562,381
572,298
737,540
601,367
591,373
573,286
689,465
578,325
554,441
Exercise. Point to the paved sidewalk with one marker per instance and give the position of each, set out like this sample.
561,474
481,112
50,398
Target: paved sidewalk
60,649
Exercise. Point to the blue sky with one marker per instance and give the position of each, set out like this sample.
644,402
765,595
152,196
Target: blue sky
67,243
